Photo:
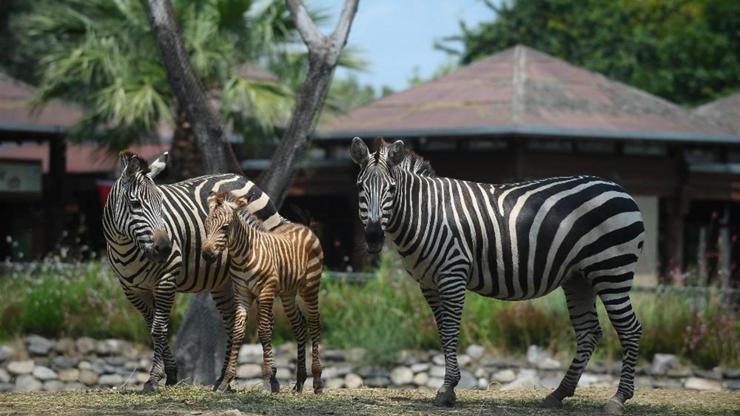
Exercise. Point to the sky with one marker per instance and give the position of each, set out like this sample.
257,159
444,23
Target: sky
396,36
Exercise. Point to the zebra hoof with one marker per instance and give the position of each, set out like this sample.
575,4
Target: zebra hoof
274,386
614,407
171,378
149,387
551,402
445,397
318,386
298,388
222,387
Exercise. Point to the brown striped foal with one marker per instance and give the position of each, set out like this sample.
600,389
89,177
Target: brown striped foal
284,262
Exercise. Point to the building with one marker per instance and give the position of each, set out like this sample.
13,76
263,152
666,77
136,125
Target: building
522,114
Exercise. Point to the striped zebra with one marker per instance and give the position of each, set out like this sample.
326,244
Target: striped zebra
513,242
154,235
263,265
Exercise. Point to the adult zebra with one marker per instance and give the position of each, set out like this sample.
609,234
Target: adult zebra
513,241
154,235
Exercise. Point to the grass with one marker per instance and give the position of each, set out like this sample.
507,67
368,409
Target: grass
383,315
190,400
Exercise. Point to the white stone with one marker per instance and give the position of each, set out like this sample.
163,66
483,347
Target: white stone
463,360
401,376
84,365
334,383
38,345
504,376
527,379
418,368
69,374
44,373
27,382
250,353
541,358
475,351
53,385
663,362
467,381
352,381
141,377
480,372
6,352
4,376
249,371
88,377
437,371
74,386
438,359
110,380
20,367
435,382
696,383
483,383
421,379
85,345
65,346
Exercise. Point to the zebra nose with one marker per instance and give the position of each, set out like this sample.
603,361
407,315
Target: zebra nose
162,245
374,236
209,255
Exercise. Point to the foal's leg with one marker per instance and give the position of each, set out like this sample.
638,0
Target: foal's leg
310,295
238,327
266,299
298,323
581,299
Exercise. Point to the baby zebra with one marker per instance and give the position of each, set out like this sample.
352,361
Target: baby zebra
263,265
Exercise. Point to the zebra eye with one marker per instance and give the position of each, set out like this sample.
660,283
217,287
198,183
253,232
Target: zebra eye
135,204
224,227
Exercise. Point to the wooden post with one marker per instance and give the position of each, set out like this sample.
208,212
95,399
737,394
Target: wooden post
55,195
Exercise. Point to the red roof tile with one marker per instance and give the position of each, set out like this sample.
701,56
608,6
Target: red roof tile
724,111
523,91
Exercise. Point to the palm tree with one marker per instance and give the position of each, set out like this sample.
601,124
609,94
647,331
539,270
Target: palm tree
102,55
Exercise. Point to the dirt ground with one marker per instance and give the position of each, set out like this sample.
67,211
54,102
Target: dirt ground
189,400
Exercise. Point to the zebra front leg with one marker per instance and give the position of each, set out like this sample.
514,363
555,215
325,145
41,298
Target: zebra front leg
619,307
163,363
223,298
580,299
265,300
447,301
238,325
144,303
298,323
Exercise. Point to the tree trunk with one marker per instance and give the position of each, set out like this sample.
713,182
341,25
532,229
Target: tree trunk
184,159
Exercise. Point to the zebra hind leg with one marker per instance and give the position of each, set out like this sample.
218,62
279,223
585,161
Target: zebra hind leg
266,323
298,323
580,299
619,307
310,295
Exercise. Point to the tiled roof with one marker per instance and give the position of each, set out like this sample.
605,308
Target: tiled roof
724,111
523,91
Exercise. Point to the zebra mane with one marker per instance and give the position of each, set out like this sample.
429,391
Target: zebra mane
412,162
242,212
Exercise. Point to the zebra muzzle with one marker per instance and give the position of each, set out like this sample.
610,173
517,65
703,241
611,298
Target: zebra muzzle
374,236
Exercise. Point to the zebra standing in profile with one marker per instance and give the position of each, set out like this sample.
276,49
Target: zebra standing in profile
512,241
154,235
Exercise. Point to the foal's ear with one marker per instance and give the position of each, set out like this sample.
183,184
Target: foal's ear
131,163
241,202
396,153
359,152
158,166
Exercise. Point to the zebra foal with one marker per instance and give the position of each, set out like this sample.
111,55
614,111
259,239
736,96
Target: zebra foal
508,241
263,265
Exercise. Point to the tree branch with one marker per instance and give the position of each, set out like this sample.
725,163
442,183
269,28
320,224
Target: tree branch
310,34
341,31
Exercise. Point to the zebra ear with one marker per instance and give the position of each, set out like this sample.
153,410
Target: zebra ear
359,152
396,153
131,163
158,166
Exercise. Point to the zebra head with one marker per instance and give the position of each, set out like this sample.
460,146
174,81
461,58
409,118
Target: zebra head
222,207
376,185
138,205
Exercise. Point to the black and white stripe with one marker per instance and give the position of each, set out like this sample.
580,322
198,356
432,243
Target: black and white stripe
512,241
154,235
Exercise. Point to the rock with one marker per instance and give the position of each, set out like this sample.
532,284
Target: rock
480,373
467,381
437,371
438,359
483,383
366,372
249,371
504,376
377,381
131,365
527,378
714,374
666,383
27,382
475,351
421,379
401,376
85,345
115,360
332,355
6,387
352,381
334,383
463,360
681,372
111,347
141,377
110,380
550,381
336,371
20,367
69,374
74,386
733,385
696,383
662,363
4,376
88,377
44,373
53,385
60,362
418,368
356,354
6,353
250,353
38,345
65,346
541,358
84,365
729,373
435,382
